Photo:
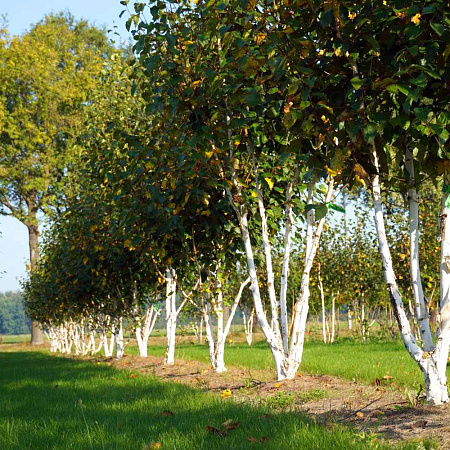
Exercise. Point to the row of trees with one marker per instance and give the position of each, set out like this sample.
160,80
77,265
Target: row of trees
217,152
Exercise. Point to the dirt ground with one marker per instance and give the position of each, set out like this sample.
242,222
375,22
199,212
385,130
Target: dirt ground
384,411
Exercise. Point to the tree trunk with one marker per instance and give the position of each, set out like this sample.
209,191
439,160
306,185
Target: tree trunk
333,317
37,335
324,314
433,364
119,339
171,315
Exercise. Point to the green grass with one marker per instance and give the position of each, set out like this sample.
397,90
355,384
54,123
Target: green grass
49,402
346,359
14,338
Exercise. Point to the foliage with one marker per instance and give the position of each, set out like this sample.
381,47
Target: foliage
46,76
12,314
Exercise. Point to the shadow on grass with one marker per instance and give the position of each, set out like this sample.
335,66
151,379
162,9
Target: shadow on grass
49,402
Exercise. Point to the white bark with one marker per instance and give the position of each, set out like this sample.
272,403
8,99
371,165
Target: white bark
285,266
333,318
108,344
432,363
302,304
248,326
171,315
144,329
119,338
217,344
420,307
324,314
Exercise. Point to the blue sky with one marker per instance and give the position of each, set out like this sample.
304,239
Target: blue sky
20,14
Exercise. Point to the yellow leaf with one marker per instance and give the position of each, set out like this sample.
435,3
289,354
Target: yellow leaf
195,83
416,19
209,154
260,37
127,243
254,194
331,172
226,393
324,119
269,182
206,213
360,180
85,260
351,15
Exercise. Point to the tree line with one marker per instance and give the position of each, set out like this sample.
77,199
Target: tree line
209,161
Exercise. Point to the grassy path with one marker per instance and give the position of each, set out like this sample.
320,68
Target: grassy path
49,402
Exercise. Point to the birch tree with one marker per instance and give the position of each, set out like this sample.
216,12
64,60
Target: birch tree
397,128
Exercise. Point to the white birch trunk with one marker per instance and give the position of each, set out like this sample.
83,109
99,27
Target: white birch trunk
333,318
144,329
217,345
324,315
420,308
302,304
171,315
431,363
248,326
108,344
119,338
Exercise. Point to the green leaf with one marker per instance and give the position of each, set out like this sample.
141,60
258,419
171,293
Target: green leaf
421,113
370,132
356,83
320,212
335,207
420,81
438,27
326,17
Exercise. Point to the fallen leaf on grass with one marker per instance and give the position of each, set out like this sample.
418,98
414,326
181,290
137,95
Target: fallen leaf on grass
167,413
152,445
133,375
387,377
230,425
419,424
263,440
214,430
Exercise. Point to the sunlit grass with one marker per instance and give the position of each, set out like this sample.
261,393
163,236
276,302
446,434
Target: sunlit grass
49,402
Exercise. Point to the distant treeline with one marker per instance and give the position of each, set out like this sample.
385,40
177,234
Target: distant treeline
12,314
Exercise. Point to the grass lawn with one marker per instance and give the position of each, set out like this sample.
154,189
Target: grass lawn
50,402
345,358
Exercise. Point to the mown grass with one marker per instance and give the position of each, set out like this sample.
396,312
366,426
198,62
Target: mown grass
364,362
49,402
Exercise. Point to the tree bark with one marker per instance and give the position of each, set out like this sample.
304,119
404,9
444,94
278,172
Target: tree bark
37,335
